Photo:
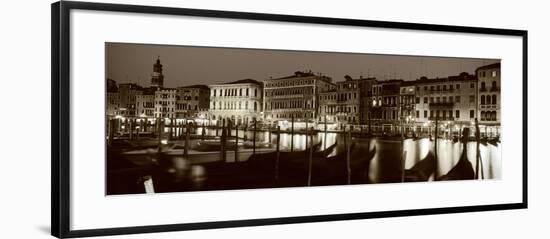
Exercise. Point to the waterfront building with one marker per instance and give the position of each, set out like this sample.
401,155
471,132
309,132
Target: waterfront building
407,102
385,103
239,101
113,100
127,98
145,103
489,96
452,100
294,97
190,100
348,103
165,103
328,106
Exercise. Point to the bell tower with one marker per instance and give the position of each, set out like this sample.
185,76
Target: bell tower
157,78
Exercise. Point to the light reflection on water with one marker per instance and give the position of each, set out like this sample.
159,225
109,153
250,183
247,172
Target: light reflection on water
387,163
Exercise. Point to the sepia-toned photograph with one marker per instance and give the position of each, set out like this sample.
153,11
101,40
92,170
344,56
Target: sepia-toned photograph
193,118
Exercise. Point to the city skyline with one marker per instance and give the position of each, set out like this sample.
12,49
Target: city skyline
189,65
204,118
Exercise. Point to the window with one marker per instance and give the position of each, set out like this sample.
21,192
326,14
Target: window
431,99
450,87
450,99
471,114
482,99
425,99
482,86
472,99
458,86
494,85
494,99
425,114
494,73
417,114
482,115
431,113
444,114
426,87
432,88
417,100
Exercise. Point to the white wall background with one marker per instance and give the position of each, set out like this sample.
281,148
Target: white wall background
25,157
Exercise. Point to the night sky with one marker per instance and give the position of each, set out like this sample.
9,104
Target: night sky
183,65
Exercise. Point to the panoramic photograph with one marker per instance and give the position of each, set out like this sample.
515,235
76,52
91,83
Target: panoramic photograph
193,118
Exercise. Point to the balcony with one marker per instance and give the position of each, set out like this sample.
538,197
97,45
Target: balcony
442,90
493,89
442,105
442,118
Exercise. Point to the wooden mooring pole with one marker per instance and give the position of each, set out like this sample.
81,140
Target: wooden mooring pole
222,143
435,146
236,143
187,140
348,155
254,137
325,138
292,134
278,153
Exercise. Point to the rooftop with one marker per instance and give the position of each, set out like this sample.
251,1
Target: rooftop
244,81
195,86
462,77
491,66
300,74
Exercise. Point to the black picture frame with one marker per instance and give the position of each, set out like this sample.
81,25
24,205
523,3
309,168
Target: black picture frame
60,117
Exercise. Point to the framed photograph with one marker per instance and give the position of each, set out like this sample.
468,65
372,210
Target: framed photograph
167,119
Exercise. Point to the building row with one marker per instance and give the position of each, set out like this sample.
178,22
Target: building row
314,98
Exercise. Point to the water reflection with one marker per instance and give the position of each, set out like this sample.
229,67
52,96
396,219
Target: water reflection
391,154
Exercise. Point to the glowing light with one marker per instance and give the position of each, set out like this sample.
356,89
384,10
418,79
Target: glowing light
164,141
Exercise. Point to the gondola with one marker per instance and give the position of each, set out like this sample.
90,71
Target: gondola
422,170
463,169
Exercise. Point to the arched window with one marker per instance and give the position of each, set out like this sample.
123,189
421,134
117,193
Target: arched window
255,106
494,85
494,116
482,86
483,115
494,99
482,100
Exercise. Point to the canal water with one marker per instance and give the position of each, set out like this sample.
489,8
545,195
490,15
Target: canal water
390,156
392,153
